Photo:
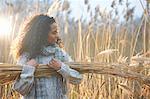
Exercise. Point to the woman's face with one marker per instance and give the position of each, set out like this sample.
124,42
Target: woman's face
53,34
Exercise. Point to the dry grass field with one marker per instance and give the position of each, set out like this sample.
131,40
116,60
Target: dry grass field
101,40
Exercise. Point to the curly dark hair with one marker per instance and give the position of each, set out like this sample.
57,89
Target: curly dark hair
34,36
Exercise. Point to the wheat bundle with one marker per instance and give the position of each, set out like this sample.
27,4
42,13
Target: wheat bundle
9,72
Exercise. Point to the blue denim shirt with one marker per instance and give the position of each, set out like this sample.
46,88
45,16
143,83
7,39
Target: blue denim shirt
51,87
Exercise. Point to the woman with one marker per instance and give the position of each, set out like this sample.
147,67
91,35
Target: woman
38,44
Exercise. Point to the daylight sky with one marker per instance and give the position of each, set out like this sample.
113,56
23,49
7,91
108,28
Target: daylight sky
79,9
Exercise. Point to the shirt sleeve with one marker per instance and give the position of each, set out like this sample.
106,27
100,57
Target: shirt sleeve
26,79
70,74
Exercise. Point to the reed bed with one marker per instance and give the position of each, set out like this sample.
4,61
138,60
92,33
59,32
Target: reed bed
100,48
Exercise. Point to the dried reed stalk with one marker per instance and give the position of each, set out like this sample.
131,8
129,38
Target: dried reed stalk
9,72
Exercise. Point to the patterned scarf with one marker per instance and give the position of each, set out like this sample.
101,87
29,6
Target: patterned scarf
55,51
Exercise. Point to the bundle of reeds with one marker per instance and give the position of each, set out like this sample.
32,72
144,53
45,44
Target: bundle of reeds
10,72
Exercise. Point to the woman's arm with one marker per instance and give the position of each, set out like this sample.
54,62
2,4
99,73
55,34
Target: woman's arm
72,75
25,82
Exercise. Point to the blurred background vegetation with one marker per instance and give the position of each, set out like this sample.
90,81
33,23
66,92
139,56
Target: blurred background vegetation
101,38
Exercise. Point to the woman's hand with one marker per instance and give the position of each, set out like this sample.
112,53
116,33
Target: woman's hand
55,64
32,62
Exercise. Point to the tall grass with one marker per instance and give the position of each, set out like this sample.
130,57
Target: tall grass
100,40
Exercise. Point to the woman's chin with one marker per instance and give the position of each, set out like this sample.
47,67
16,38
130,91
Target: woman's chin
51,43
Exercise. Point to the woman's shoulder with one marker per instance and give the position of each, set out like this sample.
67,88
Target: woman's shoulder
65,56
24,55
23,58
